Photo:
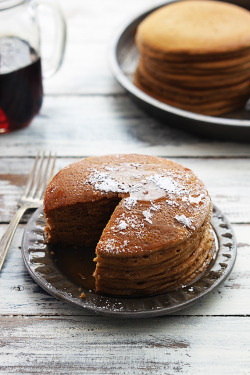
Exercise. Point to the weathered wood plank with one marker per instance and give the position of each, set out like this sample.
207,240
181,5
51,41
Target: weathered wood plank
91,345
76,126
40,335
20,295
221,176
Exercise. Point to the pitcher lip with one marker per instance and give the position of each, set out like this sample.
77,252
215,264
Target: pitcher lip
7,4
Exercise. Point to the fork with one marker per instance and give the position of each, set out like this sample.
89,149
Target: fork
32,197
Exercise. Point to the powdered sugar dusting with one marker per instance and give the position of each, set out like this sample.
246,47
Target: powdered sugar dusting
136,165
196,200
165,183
112,168
137,182
184,220
154,206
122,225
105,182
110,245
129,202
171,203
153,194
147,214
193,199
129,178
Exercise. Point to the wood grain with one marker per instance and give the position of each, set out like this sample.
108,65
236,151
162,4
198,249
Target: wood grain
78,126
86,112
91,345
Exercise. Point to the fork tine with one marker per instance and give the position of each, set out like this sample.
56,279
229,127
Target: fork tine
42,178
37,178
31,175
45,179
52,170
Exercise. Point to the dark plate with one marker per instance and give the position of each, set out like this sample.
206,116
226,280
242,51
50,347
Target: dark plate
124,59
46,273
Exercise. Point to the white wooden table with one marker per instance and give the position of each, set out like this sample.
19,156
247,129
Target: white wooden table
85,112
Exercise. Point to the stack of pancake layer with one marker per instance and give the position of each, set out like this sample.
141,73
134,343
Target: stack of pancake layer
148,219
195,55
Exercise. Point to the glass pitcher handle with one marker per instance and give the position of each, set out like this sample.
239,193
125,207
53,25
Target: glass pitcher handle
52,63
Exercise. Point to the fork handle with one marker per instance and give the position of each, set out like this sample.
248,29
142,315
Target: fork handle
7,237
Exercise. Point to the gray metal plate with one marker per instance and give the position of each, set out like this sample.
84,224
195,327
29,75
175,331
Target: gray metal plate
46,273
124,58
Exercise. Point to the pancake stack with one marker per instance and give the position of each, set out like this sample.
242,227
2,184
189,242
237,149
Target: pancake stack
146,220
195,55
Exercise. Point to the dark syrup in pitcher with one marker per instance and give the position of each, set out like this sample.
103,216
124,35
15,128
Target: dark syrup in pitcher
21,90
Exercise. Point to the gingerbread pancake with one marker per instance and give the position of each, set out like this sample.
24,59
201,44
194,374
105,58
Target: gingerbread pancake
211,102
189,28
195,55
147,220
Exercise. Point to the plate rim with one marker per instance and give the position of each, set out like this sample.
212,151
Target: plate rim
64,295
139,94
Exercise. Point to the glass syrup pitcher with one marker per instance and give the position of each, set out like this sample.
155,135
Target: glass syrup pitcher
21,88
